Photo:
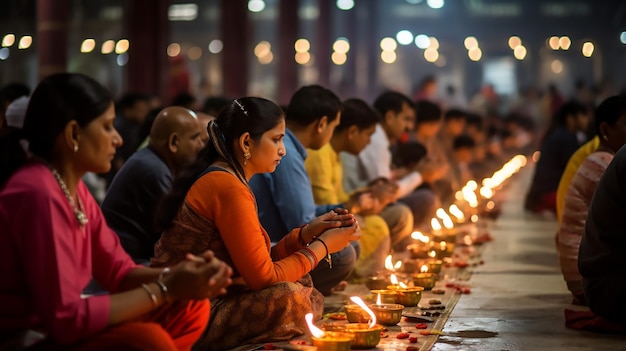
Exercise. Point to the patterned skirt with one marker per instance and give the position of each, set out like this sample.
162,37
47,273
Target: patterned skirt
272,314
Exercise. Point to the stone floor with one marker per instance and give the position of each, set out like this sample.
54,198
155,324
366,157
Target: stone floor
518,295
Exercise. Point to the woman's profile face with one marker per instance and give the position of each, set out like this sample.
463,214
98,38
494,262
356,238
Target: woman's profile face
267,152
97,143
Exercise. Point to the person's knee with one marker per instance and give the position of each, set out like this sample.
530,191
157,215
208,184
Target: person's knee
137,336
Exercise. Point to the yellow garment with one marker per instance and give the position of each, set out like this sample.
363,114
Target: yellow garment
570,170
324,169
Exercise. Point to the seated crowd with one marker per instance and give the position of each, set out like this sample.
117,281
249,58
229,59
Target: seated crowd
224,225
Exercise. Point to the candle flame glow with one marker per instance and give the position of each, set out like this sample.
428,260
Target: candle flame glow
421,237
403,286
456,212
379,300
424,268
432,254
474,218
472,185
393,279
485,192
389,263
398,265
315,331
434,223
447,222
357,300
443,245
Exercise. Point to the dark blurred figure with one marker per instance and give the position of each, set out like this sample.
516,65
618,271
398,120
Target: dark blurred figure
213,105
558,145
132,110
8,94
186,100
427,89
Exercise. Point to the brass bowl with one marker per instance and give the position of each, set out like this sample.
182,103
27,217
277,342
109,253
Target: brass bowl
409,297
425,280
377,283
434,266
387,314
417,251
364,336
386,295
333,341
355,314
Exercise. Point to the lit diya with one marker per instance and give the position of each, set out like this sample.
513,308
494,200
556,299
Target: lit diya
425,279
405,296
326,340
421,245
366,335
381,281
387,314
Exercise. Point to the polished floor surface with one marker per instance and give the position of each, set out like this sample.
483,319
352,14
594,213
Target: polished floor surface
518,295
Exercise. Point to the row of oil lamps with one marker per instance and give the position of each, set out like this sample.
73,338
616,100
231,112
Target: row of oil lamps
427,252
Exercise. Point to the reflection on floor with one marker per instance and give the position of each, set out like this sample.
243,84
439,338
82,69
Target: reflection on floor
518,295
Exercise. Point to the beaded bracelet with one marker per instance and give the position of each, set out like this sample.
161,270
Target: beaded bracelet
155,300
328,258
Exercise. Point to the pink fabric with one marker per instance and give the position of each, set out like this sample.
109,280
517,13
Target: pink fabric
577,201
47,259
586,320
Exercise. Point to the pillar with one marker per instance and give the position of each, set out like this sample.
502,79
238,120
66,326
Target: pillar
147,29
288,21
322,41
52,24
236,53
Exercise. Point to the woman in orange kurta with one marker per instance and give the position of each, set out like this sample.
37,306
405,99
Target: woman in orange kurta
211,206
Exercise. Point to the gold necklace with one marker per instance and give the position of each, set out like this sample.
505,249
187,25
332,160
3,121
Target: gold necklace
79,212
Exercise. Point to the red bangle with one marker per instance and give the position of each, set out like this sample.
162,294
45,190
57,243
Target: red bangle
311,255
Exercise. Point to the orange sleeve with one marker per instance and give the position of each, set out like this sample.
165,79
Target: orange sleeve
223,199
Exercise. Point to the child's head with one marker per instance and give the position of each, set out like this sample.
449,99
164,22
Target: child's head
407,155
454,122
463,148
358,123
428,121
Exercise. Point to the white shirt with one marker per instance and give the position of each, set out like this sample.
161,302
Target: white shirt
375,162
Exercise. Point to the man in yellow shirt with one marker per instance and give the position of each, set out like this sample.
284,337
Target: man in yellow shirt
570,170
358,122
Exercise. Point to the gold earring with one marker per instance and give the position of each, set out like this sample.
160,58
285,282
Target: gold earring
246,157
75,147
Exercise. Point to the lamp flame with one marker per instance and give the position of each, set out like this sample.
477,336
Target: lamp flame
456,212
398,265
447,222
357,300
424,268
389,263
403,286
474,218
315,331
434,223
485,192
442,245
421,237
393,279
472,185
432,254
379,300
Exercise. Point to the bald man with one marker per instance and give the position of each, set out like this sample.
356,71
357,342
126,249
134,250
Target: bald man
132,198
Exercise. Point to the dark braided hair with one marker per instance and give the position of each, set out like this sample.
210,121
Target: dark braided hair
246,115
